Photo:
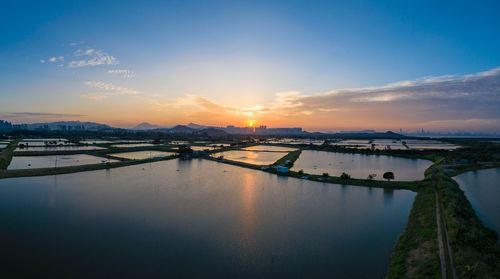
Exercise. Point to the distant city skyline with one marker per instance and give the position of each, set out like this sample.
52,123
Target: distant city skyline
332,65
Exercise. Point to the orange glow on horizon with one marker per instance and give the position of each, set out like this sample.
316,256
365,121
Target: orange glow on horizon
250,123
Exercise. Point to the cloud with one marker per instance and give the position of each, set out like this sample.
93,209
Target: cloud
92,57
40,115
94,96
429,101
122,73
446,102
83,57
52,59
105,90
111,89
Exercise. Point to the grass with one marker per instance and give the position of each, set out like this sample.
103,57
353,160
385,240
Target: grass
476,250
291,157
416,252
6,155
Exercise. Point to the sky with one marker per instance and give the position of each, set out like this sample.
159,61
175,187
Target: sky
320,65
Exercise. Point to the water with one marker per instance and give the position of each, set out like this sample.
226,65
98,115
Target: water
251,157
96,141
482,189
411,144
132,145
34,162
269,148
202,148
44,143
195,219
140,155
360,165
58,148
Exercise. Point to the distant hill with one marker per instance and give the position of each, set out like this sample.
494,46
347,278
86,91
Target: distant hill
212,133
68,125
181,129
145,126
196,126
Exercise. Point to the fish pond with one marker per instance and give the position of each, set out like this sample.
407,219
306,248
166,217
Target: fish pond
251,157
195,219
482,188
35,162
360,165
140,155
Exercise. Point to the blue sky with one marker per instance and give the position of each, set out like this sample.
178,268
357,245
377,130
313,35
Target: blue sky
124,62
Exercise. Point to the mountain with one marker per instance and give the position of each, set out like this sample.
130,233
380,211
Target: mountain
196,126
145,126
181,129
211,133
68,125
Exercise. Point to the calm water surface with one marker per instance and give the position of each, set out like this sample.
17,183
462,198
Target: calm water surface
482,189
269,148
127,145
361,165
140,155
251,157
58,148
179,219
34,162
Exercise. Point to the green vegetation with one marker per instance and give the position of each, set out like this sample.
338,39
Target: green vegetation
6,155
289,159
345,176
388,175
416,252
476,250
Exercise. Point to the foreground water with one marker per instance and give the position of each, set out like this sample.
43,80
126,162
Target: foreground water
482,189
203,219
361,165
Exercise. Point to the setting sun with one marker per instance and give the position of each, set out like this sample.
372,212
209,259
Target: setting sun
250,123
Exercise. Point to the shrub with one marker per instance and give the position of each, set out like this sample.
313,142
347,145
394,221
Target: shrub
345,176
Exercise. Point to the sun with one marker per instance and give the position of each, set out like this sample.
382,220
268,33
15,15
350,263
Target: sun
250,123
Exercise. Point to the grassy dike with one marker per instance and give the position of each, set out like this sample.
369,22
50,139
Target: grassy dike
476,250
416,254
6,155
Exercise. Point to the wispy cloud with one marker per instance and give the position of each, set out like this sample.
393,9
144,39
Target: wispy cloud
122,73
442,101
82,57
105,90
52,59
92,57
24,114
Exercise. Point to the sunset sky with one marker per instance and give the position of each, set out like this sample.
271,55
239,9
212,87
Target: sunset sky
320,65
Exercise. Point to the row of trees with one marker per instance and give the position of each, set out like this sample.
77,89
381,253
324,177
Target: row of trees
387,175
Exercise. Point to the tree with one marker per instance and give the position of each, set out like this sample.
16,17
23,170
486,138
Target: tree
371,176
345,176
388,175
325,174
